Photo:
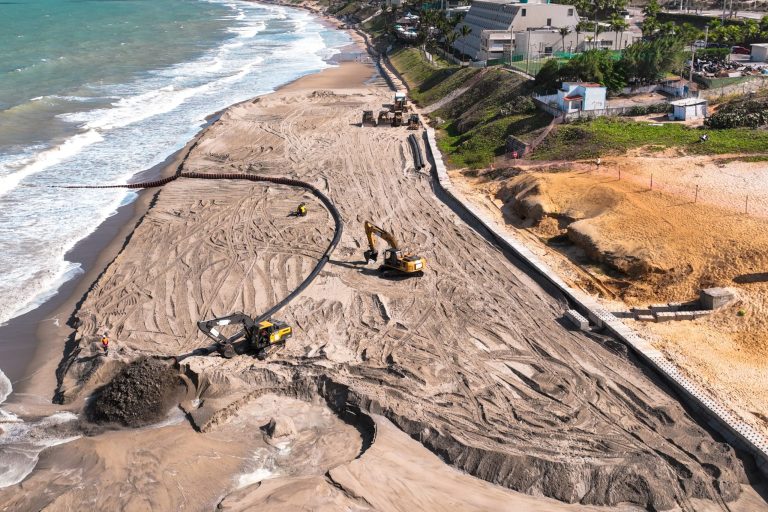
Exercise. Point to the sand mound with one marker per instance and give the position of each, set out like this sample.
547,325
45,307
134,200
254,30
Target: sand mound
280,427
139,395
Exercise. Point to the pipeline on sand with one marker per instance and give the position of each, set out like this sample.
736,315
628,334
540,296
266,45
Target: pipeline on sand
339,226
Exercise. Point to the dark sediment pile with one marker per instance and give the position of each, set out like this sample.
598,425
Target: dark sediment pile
142,393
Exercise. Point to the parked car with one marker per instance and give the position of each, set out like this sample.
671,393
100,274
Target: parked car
740,50
699,44
717,45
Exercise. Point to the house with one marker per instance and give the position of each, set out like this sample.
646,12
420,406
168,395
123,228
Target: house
575,96
689,108
678,87
759,52
494,24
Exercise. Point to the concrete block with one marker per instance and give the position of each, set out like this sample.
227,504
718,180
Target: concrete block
577,320
641,311
699,314
665,316
683,315
713,298
595,319
646,318
674,306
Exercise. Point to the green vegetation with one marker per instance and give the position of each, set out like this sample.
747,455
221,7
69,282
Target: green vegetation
476,124
477,147
746,111
605,136
641,63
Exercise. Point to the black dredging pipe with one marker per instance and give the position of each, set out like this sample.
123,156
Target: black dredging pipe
339,226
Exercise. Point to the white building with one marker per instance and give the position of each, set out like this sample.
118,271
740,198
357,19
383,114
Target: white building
546,41
494,24
689,108
759,52
575,96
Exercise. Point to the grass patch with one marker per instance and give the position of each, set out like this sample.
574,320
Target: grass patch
477,147
606,136
428,81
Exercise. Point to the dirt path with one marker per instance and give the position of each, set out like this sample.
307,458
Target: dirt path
471,359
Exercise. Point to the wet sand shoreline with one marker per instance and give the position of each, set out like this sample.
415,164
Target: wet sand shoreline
31,366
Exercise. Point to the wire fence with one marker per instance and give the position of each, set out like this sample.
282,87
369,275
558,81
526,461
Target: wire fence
740,198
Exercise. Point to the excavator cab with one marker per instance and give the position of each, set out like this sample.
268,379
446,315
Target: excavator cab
270,337
394,259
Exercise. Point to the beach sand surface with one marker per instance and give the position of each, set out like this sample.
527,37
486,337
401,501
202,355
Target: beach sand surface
470,361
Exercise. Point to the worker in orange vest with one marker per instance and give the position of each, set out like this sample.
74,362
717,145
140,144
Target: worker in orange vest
105,344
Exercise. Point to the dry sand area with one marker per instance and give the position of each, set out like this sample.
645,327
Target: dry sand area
471,360
644,247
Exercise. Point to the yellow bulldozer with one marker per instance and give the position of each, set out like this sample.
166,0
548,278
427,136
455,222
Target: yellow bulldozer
394,259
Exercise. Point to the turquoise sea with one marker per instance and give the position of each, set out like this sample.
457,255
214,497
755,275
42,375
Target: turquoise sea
94,91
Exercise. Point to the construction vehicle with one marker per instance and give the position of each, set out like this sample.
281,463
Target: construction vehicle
397,118
394,259
368,118
384,116
264,338
301,210
401,102
413,122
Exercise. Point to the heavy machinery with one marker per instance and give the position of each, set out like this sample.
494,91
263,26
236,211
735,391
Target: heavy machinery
301,210
368,118
401,102
384,116
265,338
394,259
397,118
413,122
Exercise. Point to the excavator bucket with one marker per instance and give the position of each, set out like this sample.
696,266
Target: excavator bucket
371,256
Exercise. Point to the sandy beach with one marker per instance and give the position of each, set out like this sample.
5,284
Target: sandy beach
461,389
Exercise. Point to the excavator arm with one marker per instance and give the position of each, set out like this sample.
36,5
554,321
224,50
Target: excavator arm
210,327
371,231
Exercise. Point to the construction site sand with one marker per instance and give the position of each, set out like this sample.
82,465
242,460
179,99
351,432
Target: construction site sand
471,360
683,247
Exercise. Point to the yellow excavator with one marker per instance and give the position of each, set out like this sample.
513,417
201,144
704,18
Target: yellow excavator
394,258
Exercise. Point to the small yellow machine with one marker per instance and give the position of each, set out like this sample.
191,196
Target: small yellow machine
271,336
301,210
394,259
397,118
384,116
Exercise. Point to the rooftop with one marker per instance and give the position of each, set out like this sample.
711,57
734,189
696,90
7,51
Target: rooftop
686,102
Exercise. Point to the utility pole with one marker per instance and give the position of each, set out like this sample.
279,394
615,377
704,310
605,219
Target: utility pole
693,54
528,52
706,36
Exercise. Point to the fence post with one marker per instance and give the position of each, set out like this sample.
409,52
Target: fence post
651,181
696,197
746,205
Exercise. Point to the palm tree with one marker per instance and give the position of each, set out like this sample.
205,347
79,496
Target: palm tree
618,25
465,31
579,28
564,31
598,30
589,40
450,38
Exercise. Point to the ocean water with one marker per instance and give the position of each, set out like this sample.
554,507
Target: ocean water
94,91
